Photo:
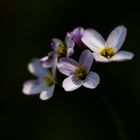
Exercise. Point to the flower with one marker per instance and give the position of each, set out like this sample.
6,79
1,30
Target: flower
45,83
77,34
78,73
63,49
107,51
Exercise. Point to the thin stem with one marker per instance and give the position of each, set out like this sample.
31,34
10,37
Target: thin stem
117,121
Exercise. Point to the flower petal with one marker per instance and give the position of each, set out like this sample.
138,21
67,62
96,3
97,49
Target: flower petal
69,41
46,94
67,66
93,40
70,52
36,68
100,58
117,37
86,59
49,61
122,56
92,80
77,34
32,87
70,83
55,44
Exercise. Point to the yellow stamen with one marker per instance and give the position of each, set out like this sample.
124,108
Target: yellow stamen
107,52
49,80
62,50
81,73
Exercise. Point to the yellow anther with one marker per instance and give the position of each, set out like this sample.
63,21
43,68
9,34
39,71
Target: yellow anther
81,73
49,80
62,50
107,52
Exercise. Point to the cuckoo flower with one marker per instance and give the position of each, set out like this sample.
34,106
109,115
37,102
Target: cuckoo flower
77,34
107,51
78,73
45,83
63,49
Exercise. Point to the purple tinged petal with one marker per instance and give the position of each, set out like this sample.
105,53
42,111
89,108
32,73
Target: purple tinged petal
36,68
33,87
122,56
70,83
67,66
69,41
70,52
55,44
48,93
92,80
93,40
77,34
49,61
86,59
70,45
117,37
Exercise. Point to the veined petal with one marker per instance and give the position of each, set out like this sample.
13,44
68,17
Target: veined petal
93,40
70,52
100,58
70,83
49,61
48,93
67,66
77,34
36,68
69,41
86,59
116,37
92,80
55,44
122,56
32,87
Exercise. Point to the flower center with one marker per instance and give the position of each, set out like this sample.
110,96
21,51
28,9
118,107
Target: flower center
107,52
49,80
62,50
81,73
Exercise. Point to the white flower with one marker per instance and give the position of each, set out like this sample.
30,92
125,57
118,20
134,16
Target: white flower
45,83
79,73
107,51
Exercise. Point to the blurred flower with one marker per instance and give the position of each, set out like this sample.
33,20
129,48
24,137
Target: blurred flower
107,51
77,34
63,49
79,73
45,83
49,60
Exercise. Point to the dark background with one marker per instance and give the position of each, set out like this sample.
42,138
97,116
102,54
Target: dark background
110,112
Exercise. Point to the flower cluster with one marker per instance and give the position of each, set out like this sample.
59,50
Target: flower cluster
61,59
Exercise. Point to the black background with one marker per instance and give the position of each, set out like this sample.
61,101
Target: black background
110,112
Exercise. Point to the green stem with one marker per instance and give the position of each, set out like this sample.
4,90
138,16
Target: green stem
117,121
